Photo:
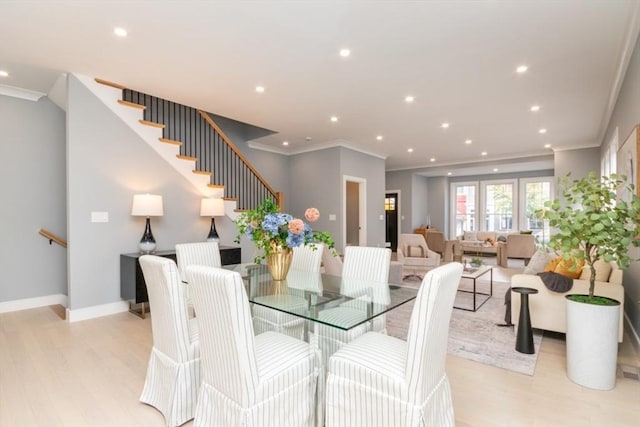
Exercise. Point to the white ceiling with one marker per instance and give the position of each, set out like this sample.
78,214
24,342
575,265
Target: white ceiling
457,58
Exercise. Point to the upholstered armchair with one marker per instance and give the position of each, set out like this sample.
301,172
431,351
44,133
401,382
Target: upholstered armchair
415,255
521,246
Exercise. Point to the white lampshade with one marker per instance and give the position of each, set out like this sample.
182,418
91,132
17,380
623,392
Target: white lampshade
212,207
147,205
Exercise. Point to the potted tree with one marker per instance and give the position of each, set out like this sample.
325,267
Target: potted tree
593,224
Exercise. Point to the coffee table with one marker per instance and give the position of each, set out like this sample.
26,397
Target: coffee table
474,274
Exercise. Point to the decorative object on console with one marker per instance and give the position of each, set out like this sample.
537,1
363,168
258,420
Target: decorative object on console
212,208
592,224
147,205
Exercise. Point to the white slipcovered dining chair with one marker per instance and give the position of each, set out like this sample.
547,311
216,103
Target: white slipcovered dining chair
198,253
379,380
361,265
173,373
306,258
247,380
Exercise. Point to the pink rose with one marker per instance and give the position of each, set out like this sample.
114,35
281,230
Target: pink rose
296,226
312,214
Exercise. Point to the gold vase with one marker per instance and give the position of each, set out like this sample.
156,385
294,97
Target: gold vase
279,262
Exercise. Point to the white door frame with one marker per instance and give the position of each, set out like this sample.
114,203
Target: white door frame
362,209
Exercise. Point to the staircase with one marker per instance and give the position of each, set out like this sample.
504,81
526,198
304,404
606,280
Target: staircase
191,142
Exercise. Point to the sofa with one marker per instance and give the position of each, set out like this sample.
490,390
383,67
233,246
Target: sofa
547,308
477,242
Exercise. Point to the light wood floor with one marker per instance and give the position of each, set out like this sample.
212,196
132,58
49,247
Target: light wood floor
90,373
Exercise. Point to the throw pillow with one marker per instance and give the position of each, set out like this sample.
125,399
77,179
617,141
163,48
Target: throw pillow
552,264
571,268
603,271
502,238
538,262
470,235
415,251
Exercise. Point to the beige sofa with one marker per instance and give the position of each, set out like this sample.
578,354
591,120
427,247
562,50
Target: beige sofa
547,308
475,242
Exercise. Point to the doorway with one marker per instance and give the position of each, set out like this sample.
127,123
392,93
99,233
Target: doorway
391,206
355,211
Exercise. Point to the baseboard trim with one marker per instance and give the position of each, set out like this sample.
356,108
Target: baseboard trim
636,341
96,311
27,303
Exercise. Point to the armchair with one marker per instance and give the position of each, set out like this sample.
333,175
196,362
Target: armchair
415,255
521,246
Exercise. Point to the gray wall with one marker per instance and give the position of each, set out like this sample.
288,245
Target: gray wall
579,162
438,206
420,205
625,116
32,173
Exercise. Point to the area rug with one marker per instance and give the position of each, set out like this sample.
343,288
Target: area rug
476,335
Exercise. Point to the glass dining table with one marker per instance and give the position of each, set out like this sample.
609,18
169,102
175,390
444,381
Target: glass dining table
310,296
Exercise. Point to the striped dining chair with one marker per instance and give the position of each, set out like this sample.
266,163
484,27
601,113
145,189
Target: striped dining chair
197,253
173,373
248,380
305,258
382,381
361,265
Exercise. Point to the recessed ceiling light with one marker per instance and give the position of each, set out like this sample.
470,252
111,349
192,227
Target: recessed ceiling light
285,143
449,173
433,159
535,108
410,150
345,52
547,145
4,73
468,141
120,32
484,153
379,137
522,69
495,169
334,119
445,125
260,89
409,98
542,131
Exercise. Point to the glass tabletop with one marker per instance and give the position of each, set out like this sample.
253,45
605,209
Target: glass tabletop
331,300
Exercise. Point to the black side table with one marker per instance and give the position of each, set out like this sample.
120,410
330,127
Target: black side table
524,340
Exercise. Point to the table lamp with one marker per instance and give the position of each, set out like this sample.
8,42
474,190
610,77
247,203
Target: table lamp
147,205
212,208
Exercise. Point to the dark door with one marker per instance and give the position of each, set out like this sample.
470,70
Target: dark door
391,220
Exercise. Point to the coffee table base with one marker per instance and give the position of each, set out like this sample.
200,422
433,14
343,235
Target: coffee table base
475,292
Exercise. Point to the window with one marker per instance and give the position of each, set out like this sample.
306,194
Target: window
464,207
499,205
533,193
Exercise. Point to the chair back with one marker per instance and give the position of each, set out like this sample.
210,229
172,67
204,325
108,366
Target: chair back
366,263
429,330
227,347
199,253
308,257
167,299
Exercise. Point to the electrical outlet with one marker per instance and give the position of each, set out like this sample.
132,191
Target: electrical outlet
99,216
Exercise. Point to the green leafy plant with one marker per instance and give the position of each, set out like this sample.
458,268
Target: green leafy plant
592,223
476,261
270,230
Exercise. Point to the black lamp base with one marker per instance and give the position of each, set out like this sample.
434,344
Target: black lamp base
213,233
147,243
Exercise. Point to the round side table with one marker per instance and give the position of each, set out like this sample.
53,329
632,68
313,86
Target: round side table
524,340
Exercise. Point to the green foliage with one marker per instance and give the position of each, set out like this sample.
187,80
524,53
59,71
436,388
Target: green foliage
591,223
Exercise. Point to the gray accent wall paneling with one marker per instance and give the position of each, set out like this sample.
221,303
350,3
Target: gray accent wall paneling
32,155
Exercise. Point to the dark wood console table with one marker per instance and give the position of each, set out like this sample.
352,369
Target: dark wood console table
132,285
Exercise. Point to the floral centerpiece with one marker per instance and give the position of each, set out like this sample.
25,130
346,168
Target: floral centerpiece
276,233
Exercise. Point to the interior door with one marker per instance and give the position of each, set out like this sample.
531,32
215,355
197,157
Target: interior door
391,220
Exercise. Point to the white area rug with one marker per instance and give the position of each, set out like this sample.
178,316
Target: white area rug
476,336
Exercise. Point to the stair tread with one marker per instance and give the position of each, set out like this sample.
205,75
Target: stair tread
131,104
200,172
190,158
170,141
215,185
108,83
152,124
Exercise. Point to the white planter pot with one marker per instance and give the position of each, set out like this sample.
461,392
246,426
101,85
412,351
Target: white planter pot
592,344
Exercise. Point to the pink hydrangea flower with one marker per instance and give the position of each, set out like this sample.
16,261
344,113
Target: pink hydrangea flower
296,226
312,214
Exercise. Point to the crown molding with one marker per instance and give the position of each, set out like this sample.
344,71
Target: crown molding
16,92
314,147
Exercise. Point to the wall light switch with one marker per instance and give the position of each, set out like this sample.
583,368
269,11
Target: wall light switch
332,217
381,217
99,216
402,217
